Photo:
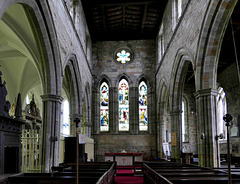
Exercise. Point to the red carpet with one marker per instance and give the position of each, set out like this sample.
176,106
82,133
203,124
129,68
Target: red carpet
125,171
128,180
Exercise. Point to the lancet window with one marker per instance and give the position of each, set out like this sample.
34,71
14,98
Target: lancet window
123,105
143,117
104,104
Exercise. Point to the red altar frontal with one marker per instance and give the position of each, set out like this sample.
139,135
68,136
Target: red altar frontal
124,159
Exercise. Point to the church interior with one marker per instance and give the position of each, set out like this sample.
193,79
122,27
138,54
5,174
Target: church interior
131,81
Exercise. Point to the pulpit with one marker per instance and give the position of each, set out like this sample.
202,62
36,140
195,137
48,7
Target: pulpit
124,159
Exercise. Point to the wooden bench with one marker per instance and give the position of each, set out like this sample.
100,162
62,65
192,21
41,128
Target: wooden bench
86,176
177,173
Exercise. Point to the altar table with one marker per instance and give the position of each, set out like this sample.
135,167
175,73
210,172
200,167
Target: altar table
124,159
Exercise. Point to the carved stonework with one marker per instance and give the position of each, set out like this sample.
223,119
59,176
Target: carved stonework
4,105
18,110
32,113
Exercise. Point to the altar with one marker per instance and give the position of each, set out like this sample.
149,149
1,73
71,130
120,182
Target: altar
124,159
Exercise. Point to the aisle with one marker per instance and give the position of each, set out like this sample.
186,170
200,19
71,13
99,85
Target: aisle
126,176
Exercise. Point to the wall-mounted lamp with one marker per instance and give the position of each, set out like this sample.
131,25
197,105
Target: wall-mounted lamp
203,136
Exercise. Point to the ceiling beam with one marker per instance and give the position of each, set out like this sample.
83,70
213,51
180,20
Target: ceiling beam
110,3
144,17
104,19
124,13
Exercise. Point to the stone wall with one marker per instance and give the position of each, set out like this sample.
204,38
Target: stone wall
232,90
71,39
191,145
185,35
129,143
105,66
183,39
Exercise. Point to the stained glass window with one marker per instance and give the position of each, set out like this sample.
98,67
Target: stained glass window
104,123
143,119
123,56
123,106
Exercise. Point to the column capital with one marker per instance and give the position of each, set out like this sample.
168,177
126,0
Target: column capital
206,92
51,97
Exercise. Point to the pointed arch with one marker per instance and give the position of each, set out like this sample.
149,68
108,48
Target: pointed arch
104,78
178,75
144,104
145,78
75,90
209,44
50,53
41,23
123,103
182,59
162,114
124,76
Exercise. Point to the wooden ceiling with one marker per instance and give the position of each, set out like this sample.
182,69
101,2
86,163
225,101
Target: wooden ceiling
123,19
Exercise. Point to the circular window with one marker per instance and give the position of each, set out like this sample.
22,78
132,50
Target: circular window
123,56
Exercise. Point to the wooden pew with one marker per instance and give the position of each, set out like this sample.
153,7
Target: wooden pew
31,178
178,173
93,174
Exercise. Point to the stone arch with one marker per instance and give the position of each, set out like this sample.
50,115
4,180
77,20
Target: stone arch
42,25
121,76
182,59
162,105
210,40
75,92
146,79
50,53
102,79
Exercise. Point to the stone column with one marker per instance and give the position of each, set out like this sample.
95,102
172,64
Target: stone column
206,105
176,140
88,129
133,110
160,139
96,110
151,111
113,110
50,131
